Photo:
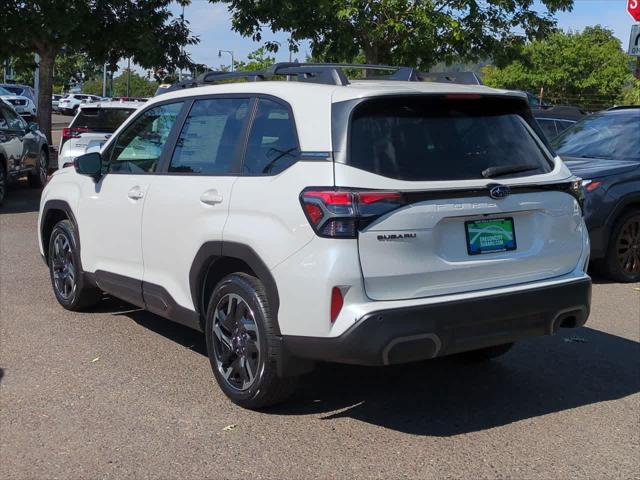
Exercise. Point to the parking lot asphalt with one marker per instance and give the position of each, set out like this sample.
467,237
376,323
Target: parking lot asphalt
121,393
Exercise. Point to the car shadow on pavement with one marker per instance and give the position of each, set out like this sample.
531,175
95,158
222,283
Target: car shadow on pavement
20,198
450,396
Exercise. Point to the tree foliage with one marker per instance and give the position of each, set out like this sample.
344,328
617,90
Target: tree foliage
257,60
102,30
139,86
587,68
410,32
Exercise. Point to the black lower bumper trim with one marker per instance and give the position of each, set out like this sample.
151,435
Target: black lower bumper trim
426,331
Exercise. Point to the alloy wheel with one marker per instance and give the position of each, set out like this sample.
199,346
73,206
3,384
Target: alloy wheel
236,342
64,271
628,246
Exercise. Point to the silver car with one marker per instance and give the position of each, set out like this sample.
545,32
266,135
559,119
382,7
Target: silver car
91,127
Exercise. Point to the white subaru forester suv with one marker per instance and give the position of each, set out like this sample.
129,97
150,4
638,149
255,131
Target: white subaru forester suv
373,222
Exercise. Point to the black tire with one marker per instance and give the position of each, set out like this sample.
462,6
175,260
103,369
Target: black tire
38,179
67,278
3,183
622,260
487,353
266,387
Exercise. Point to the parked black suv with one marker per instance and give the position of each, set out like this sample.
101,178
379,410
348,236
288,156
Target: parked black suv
23,150
604,150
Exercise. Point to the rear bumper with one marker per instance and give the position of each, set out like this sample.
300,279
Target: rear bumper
420,332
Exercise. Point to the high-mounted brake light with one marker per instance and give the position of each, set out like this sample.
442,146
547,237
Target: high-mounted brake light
339,213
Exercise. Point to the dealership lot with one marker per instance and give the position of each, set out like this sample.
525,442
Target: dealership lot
121,392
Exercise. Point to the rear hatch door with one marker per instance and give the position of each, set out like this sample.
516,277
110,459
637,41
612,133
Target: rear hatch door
484,204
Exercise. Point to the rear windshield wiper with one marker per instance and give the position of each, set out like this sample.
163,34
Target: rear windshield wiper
507,169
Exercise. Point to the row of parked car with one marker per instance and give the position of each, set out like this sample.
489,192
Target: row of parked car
70,103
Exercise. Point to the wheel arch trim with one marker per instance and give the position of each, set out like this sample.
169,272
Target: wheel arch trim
213,251
60,205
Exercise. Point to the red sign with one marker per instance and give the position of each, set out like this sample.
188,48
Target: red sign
633,7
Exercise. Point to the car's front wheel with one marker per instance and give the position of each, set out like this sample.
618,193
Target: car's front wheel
241,343
68,281
622,262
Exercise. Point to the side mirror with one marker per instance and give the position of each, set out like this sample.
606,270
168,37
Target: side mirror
89,164
33,127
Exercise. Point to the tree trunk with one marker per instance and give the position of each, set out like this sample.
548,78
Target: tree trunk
47,59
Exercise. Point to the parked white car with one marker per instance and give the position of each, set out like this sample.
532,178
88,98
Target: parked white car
70,103
91,127
370,222
23,105
55,101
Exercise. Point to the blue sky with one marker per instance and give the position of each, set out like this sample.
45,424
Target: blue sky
211,22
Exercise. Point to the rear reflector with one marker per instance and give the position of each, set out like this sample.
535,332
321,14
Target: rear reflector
336,303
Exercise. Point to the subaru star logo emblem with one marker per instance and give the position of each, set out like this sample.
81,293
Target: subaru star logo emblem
499,191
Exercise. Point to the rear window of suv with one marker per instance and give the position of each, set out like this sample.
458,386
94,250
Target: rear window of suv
453,137
101,119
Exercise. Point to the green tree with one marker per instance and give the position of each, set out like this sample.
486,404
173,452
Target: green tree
412,32
256,60
587,68
103,30
139,86
631,93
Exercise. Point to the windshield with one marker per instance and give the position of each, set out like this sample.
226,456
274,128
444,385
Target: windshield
15,90
610,136
444,138
101,119
4,91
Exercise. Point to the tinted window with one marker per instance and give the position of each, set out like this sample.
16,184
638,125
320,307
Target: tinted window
101,119
608,135
3,123
210,138
439,138
272,145
548,127
139,147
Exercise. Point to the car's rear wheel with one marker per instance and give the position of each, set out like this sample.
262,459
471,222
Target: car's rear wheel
622,262
241,343
38,178
69,284
488,353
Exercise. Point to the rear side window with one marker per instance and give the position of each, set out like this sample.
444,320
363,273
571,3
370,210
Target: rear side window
430,138
210,138
101,119
272,146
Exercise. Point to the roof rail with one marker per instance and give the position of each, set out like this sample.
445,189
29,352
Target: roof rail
329,74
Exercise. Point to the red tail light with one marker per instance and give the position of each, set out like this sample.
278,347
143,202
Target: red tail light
339,213
73,132
337,301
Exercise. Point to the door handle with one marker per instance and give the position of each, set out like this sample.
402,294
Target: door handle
211,197
135,193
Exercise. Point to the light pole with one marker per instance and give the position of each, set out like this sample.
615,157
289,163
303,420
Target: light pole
230,52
